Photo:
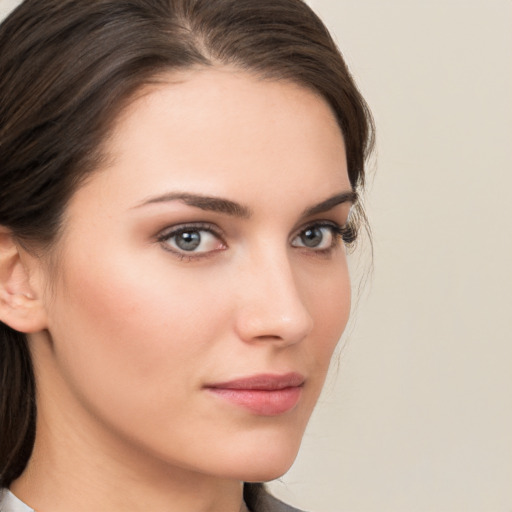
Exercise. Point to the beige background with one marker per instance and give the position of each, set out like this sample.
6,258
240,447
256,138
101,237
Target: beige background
418,415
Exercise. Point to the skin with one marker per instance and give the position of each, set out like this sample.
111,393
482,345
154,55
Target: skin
133,329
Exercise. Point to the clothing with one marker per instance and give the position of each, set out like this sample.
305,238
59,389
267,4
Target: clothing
260,501
9,503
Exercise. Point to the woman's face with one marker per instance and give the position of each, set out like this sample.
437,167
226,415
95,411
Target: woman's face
202,283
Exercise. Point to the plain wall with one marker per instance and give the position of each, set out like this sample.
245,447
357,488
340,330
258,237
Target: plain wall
420,415
417,416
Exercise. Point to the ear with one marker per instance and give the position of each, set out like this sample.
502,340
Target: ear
21,307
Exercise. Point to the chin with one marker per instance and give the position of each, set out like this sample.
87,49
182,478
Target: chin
267,474
263,461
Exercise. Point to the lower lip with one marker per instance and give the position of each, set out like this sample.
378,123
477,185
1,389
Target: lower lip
262,402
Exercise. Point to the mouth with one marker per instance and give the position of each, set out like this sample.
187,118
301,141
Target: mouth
264,395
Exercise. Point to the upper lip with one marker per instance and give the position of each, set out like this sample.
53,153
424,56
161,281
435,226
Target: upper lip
263,382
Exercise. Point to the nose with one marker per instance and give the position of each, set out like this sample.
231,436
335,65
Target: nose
269,304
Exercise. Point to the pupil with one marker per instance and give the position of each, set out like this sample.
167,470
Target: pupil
312,237
188,240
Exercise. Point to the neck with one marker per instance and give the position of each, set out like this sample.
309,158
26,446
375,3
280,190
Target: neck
81,469
50,489
56,486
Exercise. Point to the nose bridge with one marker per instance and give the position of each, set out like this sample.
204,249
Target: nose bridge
271,306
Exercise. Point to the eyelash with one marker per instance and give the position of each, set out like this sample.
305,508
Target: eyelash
164,237
347,233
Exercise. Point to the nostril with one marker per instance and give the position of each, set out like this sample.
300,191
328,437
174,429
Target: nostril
268,325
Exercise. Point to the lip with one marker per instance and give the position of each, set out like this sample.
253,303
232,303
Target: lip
264,394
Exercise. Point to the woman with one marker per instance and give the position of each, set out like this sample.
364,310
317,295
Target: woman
176,179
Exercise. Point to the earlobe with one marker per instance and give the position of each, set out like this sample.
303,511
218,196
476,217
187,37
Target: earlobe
20,304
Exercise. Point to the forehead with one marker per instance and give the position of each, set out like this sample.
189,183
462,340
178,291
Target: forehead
225,131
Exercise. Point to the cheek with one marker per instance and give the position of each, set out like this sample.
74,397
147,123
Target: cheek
329,302
127,330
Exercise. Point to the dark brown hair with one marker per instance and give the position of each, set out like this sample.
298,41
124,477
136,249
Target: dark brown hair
68,68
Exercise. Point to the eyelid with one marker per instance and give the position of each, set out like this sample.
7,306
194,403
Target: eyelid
165,234
316,224
346,232
184,226
321,223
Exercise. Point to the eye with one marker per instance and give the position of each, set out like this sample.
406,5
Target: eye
318,237
191,240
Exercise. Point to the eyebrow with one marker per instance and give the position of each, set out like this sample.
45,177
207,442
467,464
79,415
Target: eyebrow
209,203
348,196
228,207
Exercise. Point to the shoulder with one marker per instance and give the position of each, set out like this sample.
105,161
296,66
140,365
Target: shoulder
259,500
